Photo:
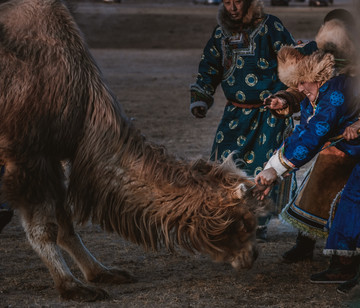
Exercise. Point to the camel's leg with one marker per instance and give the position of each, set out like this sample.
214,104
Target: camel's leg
92,269
42,237
36,196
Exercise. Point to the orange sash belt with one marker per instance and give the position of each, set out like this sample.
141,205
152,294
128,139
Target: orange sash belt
248,106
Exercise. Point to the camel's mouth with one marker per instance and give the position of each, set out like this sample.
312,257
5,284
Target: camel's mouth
246,259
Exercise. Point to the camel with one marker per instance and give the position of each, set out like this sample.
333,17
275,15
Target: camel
56,107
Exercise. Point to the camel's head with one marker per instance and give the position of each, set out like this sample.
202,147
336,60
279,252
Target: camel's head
236,244
214,213
222,218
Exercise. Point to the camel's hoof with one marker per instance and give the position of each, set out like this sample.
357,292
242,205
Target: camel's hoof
84,293
113,276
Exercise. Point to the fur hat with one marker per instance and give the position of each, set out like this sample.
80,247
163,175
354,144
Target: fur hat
336,54
304,63
336,37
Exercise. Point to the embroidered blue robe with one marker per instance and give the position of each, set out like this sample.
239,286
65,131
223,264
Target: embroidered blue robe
330,116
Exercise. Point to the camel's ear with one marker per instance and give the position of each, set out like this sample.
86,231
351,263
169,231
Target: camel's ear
241,191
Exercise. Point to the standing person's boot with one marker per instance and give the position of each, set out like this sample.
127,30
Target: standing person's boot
341,270
301,251
347,286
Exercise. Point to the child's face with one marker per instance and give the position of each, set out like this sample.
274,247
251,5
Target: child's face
310,89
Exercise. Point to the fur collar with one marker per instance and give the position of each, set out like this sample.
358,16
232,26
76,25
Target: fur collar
294,67
254,12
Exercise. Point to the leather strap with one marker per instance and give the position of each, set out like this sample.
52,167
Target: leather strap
248,106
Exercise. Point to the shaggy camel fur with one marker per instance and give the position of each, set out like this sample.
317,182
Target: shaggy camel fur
55,106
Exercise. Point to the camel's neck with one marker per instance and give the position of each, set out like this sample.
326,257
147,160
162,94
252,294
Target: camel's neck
137,189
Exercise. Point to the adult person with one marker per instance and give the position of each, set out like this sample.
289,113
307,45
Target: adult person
351,132
241,56
325,112
343,242
309,212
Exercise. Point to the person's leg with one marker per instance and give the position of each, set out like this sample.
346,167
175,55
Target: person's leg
347,286
302,250
340,270
344,236
309,212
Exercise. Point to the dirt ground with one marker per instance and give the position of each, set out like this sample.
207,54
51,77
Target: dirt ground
149,55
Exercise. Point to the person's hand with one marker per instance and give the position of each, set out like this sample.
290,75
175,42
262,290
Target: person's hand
264,181
352,131
261,191
275,103
266,177
199,112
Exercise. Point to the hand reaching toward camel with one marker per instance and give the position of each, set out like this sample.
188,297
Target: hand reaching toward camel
264,181
352,131
266,177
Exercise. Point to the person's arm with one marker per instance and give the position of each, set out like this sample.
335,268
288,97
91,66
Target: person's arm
284,103
209,76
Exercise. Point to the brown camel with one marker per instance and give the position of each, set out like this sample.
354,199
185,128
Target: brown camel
55,107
